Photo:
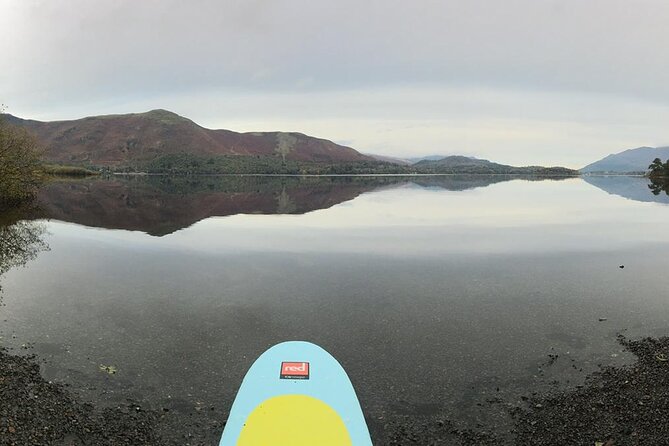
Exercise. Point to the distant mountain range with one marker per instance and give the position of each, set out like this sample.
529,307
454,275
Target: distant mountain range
414,160
466,165
469,165
628,161
390,159
409,160
139,138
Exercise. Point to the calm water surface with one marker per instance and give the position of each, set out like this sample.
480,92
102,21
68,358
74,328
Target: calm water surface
435,293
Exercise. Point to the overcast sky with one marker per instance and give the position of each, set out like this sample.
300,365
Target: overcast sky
515,81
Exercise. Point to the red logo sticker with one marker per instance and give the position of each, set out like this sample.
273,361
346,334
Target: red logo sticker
294,370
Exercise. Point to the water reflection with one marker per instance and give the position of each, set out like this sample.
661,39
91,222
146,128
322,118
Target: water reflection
160,205
20,241
657,186
435,293
632,188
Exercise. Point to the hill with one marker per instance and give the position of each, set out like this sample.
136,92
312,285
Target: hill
467,165
138,139
628,161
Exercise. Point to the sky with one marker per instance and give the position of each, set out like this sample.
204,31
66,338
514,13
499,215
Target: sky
515,81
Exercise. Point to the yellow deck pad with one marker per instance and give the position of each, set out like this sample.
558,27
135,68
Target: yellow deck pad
295,420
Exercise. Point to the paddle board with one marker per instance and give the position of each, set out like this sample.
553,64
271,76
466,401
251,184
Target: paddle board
296,394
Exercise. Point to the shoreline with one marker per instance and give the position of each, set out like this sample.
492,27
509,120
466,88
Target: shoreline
37,412
306,175
616,406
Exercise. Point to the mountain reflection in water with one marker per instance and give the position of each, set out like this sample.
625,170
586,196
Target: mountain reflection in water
631,187
160,205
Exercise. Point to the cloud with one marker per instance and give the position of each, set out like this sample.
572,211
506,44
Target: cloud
540,68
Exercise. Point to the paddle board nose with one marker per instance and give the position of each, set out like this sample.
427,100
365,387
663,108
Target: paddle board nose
296,394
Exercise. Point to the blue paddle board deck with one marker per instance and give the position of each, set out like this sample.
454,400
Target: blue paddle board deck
296,394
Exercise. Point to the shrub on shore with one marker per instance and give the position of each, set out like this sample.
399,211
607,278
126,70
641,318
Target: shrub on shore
21,169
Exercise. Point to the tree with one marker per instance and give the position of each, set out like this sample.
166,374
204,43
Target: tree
656,166
659,177
21,169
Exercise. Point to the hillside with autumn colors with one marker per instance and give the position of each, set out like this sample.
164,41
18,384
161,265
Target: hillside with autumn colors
139,139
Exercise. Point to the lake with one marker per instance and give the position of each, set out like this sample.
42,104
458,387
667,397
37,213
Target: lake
444,297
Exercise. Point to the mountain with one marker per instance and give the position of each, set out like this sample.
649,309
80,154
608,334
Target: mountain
139,138
628,161
467,165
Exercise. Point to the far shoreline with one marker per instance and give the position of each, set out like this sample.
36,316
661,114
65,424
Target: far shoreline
175,174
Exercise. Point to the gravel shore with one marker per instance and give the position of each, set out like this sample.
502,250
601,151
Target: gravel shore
617,406
35,412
